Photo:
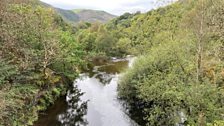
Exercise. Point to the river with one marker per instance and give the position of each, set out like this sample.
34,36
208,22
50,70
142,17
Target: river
93,99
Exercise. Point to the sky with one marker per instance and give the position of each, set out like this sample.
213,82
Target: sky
116,7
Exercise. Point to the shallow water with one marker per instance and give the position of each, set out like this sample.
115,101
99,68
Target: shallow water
92,101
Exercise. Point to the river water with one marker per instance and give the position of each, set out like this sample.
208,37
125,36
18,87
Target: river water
93,99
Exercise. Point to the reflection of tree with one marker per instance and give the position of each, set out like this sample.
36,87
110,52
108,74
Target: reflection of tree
104,78
105,73
77,109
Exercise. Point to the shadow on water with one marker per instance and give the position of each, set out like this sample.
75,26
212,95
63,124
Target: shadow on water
74,115
66,111
92,101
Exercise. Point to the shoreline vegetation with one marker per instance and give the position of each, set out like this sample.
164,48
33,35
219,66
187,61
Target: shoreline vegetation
178,77
39,58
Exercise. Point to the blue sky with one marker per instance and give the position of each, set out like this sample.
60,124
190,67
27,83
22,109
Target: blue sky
116,7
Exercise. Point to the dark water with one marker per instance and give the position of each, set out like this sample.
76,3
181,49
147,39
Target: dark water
92,101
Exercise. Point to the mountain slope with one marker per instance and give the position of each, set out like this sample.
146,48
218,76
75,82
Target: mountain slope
68,15
82,15
93,15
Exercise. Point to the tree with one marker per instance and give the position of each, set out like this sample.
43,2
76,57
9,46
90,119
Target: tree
200,32
124,45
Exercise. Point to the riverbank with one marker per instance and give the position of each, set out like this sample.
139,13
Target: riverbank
38,53
20,105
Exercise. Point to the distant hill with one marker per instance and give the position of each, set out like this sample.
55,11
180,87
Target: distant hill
93,15
68,15
79,15
82,15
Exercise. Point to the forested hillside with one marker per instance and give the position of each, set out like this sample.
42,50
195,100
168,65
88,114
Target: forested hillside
82,15
76,16
92,16
68,15
177,78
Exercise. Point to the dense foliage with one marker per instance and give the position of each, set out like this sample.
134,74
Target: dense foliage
37,52
179,79
131,33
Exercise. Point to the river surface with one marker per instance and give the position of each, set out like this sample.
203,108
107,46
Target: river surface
92,101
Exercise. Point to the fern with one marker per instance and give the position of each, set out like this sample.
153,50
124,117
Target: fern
7,70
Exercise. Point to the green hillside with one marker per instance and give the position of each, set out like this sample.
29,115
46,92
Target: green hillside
177,78
82,15
68,15
93,15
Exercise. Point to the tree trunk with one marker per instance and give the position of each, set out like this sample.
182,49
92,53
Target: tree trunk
200,45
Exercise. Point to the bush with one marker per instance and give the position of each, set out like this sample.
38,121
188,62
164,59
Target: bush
163,82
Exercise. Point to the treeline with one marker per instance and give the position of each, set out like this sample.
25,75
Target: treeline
130,33
38,56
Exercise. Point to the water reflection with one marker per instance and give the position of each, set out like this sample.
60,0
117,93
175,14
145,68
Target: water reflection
92,101
77,109
104,78
107,71
104,109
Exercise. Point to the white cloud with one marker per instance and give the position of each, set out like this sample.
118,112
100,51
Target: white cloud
117,7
